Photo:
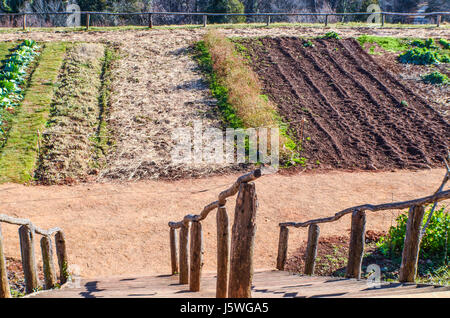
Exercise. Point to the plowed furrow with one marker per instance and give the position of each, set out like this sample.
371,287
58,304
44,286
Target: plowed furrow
325,142
383,107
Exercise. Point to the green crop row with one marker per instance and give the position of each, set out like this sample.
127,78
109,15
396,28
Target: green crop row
13,74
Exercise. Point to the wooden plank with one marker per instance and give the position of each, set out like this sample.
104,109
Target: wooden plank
184,254
410,255
4,284
282,247
242,242
47,259
174,251
356,251
196,257
61,253
311,249
28,259
223,252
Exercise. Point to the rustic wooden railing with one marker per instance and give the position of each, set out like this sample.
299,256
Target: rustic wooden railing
438,15
237,262
414,232
27,232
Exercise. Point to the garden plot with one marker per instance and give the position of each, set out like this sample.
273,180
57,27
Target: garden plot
344,108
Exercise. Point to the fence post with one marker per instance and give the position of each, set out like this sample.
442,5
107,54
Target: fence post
205,18
150,20
88,20
282,247
61,253
268,20
223,251
356,250
326,20
28,258
184,255
242,242
173,251
411,247
311,248
47,259
4,284
438,21
196,256
24,23
383,17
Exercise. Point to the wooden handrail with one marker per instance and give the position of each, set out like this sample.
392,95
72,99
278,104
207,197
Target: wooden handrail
413,235
253,175
191,273
441,196
27,233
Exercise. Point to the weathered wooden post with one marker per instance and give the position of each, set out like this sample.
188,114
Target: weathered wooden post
88,20
24,23
383,19
268,20
311,248
410,255
173,250
196,256
223,249
4,284
282,247
184,254
205,18
326,20
438,21
242,242
356,250
47,259
150,20
28,258
61,253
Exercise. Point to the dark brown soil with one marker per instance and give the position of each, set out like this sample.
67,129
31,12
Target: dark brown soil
358,115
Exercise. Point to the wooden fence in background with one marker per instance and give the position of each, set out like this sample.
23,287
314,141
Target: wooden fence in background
27,233
205,15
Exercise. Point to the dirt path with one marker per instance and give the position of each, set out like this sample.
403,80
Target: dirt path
121,229
353,107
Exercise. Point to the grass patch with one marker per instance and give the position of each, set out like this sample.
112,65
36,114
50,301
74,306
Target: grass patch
18,157
70,137
390,44
5,49
238,90
435,78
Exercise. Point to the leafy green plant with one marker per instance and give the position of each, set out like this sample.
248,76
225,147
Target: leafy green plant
13,75
308,44
435,78
445,44
331,35
423,56
434,244
429,44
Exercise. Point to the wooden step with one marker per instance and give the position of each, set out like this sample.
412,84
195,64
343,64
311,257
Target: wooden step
266,284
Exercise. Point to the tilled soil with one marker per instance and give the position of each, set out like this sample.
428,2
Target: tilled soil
158,87
358,115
